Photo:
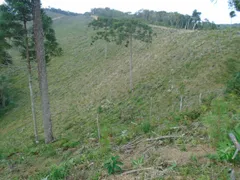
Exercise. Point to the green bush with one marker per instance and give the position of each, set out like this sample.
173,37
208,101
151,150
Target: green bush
233,86
113,165
8,94
146,127
4,93
137,163
1,156
225,151
218,122
59,172
221,120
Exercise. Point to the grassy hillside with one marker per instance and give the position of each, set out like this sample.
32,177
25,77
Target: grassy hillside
83,85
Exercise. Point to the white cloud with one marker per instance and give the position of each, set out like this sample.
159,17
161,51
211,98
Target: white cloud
218,12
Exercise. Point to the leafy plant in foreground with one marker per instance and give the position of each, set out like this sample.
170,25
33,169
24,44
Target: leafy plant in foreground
233,85
225,151
146,127
138,162
113,165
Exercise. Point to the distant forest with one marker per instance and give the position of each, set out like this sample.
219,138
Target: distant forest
163,18
60,11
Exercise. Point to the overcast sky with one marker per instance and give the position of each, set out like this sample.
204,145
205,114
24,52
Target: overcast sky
217,12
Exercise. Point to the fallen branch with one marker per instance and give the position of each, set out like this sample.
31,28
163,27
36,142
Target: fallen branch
136,140
132,144
235,142
137,170
232,174
164,137
178,127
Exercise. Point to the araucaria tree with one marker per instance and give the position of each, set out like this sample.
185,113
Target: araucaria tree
18,15
7,31
19,12
232,14
235,4
42,72
123,31
5,58
104,25
196,18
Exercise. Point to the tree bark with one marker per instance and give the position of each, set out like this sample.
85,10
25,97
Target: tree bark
30,84
195,25
42,73
130,64
3,101
188,23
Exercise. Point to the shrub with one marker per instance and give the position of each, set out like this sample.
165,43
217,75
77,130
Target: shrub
113,165
138,162
233,86
59,172
146,127
225,151
221,120
218,122
4,95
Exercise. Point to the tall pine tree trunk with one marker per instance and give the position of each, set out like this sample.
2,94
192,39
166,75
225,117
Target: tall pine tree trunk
30,83
188,23
3,101
194,25
42,73
130,63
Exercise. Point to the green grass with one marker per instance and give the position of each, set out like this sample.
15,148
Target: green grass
177,63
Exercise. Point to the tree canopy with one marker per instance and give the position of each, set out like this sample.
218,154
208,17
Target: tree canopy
8,29
163,18
119,30
232,14
60,11
122,31
235,4
126,28
109,13
14,14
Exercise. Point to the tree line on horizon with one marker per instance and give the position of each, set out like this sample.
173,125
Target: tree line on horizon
60,11
162,18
